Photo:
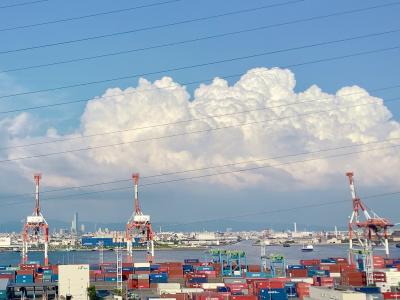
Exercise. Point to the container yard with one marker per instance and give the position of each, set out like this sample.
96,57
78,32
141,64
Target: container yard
222,274
330,278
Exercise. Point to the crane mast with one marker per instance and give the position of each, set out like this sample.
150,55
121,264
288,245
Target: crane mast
139,226
367,232
36,229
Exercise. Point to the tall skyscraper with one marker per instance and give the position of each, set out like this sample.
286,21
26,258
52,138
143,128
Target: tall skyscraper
74,224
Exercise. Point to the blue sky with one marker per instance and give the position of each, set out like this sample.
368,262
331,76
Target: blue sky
368,71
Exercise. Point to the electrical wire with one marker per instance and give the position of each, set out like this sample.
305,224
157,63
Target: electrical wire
299,102
212,175
205,168
23,3
89,15
170,44
170,86
181,134
82,84
267,212
153,27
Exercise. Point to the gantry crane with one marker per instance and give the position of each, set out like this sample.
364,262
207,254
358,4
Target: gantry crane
139,226
36,229
367,231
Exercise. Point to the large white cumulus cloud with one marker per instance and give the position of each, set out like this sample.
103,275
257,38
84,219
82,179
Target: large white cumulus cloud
264,94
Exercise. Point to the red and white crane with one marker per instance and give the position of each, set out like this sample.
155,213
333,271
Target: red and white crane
367,232
36,229
139,226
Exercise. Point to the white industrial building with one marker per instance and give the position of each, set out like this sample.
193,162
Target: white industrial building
73,280
5,241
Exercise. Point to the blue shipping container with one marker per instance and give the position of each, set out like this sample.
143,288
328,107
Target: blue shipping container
127,269
198,280
368,289
110,270
6,272
294,267
222,289
159,278
110,279
273,294
191,260
154,267
24,277
142,269
257,275
94,267
290,288
205,268
328,261
311,273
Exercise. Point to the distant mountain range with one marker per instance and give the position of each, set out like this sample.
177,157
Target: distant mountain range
208,226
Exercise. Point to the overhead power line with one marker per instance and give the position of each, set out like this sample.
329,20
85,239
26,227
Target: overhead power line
213,174
109,12
180,134
88,83
153,27
274,211
208,167
298,102
176,85
170,44
23,3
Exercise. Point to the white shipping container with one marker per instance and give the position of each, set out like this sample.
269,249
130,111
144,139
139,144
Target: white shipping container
334,275
168,291
303,279
170,285
141,265
191,290
73,280
320,293
211,286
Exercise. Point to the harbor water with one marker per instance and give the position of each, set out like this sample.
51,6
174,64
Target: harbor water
292,254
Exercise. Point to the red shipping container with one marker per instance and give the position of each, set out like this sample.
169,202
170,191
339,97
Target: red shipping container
125,264
142,272
7,276
107,264
132,284
303,289
26,272
254,268
297,273
335,268
193,285
247,297
345,268
379,277
390,295
270,284
28,266
236,287
327,281
210,296
310,262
